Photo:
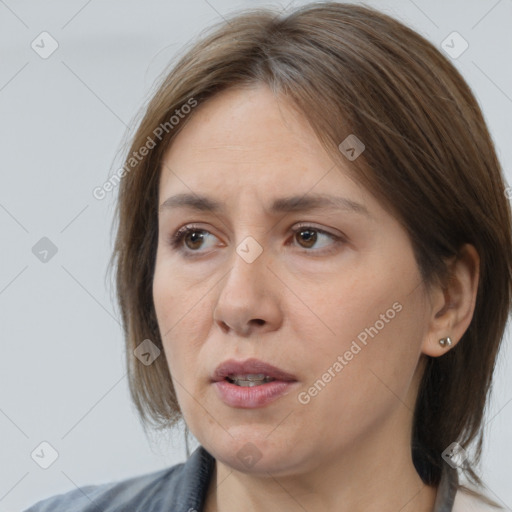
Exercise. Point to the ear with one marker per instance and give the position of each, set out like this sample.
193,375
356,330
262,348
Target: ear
453,304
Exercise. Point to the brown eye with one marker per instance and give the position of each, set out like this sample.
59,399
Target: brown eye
310,239
308,235
195,237
188,238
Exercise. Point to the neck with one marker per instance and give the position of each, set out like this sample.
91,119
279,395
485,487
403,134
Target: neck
273,493
374,473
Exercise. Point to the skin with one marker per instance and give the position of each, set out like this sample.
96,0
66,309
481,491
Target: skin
297,306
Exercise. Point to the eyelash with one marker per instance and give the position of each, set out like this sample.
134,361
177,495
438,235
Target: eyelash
176,240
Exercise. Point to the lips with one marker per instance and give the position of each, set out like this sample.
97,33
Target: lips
250,366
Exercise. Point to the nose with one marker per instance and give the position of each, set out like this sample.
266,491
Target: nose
249,297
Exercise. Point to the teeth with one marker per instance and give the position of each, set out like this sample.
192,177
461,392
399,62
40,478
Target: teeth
250,376
250,380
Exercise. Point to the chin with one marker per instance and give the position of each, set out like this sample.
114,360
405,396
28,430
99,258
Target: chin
253,454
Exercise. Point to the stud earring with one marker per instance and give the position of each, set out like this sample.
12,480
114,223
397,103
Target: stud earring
445,342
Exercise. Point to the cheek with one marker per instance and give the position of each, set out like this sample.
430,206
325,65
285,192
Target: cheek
378,361
179,315
387,344
377,323
168,309
352,303
171,296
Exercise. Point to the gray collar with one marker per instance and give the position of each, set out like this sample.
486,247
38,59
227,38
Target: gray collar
447,489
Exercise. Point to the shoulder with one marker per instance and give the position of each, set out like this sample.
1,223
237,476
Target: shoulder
138,492
471,501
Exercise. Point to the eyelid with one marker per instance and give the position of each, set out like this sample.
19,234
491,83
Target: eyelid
320,229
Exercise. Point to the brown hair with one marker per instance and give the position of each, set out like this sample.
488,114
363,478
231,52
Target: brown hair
429,159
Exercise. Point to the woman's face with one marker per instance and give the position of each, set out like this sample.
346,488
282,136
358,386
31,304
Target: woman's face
340,304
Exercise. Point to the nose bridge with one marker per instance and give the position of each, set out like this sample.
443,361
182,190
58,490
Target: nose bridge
249,229
249,254
248,263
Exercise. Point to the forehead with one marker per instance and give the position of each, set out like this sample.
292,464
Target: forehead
244,123
249,136
248,145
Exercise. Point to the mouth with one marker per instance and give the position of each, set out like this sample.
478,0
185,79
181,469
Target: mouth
250,380
249,394
251,372
252,383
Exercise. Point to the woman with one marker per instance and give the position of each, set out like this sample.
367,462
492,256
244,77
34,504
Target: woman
314,243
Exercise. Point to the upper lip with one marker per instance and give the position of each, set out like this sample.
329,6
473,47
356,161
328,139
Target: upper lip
249,366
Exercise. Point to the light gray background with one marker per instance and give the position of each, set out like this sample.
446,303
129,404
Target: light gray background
62,121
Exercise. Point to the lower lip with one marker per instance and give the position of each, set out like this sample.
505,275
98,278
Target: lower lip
251,397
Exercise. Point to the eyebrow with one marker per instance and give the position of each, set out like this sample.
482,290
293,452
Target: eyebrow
302,203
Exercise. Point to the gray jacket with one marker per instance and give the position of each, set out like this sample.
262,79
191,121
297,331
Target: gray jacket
180,488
